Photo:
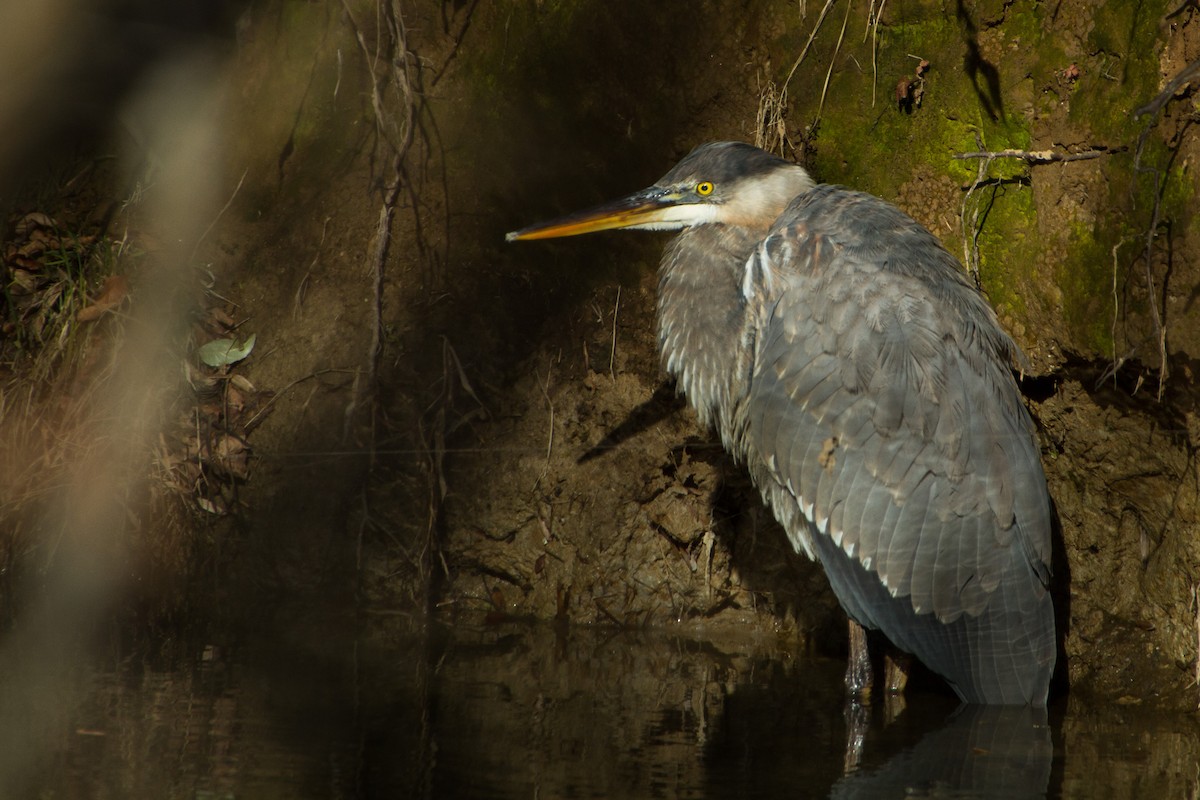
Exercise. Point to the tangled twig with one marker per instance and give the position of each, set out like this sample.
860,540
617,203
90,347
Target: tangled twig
971,231
986,157
1153,109
399,136
1169,91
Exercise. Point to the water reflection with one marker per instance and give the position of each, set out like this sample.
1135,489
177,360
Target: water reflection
393,708
979,752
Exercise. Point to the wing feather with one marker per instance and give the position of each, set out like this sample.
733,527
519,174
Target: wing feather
881,388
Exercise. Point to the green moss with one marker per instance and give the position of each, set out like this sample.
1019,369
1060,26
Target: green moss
1178,191
863,144
879,149
998,98
1086,279
1123,73
1008,245
1086,275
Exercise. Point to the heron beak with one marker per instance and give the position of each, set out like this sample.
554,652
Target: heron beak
653,208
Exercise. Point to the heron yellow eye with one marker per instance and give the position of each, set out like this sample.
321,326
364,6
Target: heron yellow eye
704,188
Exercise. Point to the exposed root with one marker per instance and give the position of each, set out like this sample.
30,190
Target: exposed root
1196,611
1160,331
393,71
1152,109
396,128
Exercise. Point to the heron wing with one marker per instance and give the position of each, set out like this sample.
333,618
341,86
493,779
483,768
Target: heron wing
883,405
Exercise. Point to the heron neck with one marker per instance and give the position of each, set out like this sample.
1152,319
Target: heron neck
704,328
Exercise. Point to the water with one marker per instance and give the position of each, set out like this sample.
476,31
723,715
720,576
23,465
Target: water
391,707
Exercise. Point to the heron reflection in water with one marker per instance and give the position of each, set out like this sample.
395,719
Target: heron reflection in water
841,353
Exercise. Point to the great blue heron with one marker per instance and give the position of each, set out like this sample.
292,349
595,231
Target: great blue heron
840,352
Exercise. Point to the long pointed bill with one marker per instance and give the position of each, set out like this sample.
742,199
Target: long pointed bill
654,208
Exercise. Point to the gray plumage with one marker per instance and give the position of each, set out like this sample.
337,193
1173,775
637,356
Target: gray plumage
840,352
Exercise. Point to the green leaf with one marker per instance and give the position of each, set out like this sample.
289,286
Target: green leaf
223,352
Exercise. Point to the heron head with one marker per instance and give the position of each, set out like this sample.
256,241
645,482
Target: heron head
726,183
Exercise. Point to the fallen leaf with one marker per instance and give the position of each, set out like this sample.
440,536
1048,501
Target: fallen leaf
207,505
116,288
233,456
23,281
31,221
243,383
36,247
223,352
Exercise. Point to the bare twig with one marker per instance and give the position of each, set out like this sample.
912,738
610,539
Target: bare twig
270,404
1116,308
302,288
985,158
612,353
833,60
450,358
217,218
870,17
772,105
807,45
873,16
545,387
1039,156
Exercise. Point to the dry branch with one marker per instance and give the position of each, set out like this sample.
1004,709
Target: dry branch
1039,156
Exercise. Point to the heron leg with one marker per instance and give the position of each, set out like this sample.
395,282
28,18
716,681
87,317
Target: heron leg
896,664
858,721
859,675
895,671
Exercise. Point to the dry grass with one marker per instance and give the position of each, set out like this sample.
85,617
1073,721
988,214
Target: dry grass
770,126
53,367
70,307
